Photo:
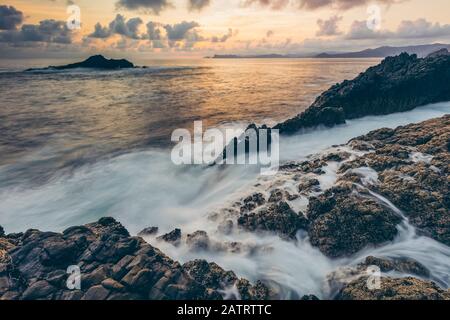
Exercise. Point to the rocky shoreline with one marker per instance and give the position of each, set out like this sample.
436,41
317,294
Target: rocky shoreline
384,183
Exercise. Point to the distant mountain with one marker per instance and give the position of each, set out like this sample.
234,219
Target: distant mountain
257,56
386,51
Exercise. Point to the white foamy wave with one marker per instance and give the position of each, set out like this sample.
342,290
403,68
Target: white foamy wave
143,189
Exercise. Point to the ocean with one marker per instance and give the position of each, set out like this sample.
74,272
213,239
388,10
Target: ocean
79,145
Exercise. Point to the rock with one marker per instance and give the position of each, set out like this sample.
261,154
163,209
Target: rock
113,265
412,165
96,293
343,222
38,290
252,202
393,289
198,240
397,84
441,52
94,62
112,285
216,279
402,265
276,195
310,297
173,237
278,218
148,232
2,232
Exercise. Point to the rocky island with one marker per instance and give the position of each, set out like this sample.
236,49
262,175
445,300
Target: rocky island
94,62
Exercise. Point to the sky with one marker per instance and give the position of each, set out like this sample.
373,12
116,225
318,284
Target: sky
198,28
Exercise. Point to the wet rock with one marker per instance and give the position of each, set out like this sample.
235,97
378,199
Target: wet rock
418,185
309,185
38,290
113,266
393,289
173,237
342,222
252,202
310,297
151,231
216,279
402,265
276,195
226,227
198,240
398,83
96,293
278,218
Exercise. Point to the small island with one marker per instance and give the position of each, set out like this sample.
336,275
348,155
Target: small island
94,62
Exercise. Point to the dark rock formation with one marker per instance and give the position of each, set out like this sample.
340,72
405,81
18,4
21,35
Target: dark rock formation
393,289
278,218
113,265
403,265
95,62
151,231
173,237
397,84
413,167
211,275
343,222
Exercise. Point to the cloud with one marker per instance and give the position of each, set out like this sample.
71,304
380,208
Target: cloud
154,6
315,4
223,38
416,29
121,26
198,4
153,32
340,4
180,31
100,32
10,18
272,4
49,31
329,27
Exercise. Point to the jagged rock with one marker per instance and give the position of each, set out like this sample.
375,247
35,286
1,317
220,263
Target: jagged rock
173,237
342,222
252,202
398,83
393,289
276,195
417,185
212,276
113,266
198,240
278,218
310,297
403,265
2,232
151,231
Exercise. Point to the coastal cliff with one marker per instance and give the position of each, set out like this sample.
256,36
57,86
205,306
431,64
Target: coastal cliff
397,84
